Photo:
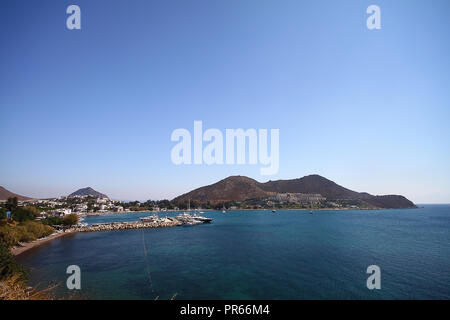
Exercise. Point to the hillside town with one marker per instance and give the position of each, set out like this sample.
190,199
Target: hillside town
94,205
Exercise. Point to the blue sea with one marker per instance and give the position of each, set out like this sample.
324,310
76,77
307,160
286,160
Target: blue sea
289,254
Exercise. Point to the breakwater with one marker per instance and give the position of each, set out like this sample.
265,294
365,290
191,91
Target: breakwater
160,223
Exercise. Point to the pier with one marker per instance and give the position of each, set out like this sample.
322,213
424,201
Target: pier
162,223
148,222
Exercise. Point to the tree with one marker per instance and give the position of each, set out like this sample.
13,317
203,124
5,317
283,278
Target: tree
8,265
9,236
11,204
3,213
52,221
26,213
21,214
70,220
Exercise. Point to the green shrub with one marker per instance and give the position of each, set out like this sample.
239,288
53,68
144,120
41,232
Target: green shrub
9,236
24,234
3,213
52,221
21,214
37,229
9,265
70,219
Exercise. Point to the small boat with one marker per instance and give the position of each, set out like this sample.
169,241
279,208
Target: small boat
223,209
188,219
183,216
273,208
201,219
151,218
311,210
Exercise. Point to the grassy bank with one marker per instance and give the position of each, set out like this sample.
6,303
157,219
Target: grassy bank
13,277
12,233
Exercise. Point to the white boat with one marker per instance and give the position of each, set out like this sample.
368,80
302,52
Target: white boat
151,218
201,218
189,219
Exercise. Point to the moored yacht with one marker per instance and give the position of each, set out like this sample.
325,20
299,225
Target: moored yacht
201,218
189,219
151,218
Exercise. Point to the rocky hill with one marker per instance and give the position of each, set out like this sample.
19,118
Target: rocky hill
88,191
5,194
241,188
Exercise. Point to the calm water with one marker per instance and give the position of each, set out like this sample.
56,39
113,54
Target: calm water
260,255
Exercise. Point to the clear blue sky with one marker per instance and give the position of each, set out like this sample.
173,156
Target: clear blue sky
96,107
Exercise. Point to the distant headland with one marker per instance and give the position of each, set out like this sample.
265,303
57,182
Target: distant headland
323,193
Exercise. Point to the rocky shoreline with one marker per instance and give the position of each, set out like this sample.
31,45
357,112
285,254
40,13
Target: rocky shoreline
163,223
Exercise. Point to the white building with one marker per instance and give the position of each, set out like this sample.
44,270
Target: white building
62,212
102,200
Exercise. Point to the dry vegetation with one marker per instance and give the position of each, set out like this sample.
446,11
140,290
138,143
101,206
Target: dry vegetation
13,233
15,288
13,277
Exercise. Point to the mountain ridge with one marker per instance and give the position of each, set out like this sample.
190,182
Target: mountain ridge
240,188
5,194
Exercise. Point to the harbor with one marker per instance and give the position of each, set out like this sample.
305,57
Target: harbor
153,221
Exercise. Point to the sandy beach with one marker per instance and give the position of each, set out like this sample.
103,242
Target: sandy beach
29,245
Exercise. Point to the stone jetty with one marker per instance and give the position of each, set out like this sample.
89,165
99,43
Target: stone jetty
160,223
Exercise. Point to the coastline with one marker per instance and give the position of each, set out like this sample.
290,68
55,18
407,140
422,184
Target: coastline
17,250
262,209
23,247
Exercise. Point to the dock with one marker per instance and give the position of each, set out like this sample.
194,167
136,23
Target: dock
165,222
126,225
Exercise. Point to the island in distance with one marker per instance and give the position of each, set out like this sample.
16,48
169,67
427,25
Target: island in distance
295,193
